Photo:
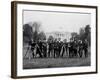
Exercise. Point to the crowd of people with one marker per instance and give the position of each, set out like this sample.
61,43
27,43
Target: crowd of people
44,49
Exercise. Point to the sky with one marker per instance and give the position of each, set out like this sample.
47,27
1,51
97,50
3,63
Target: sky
57,21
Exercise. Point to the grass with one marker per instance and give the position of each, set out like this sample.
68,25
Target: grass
55,62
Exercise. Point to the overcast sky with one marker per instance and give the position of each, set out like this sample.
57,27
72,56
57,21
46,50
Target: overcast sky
56,21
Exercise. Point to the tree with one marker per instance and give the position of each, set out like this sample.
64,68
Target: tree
51,38
88,33
31,31
74,35
65,40
85,34
41,36
27,32
82,34
87,29
35,36
36,26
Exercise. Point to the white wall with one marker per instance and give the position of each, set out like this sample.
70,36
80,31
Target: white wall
5,41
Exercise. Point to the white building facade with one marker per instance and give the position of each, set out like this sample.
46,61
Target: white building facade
59,35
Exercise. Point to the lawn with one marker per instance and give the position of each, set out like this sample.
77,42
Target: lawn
55,62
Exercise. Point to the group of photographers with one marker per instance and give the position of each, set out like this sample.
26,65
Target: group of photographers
58,48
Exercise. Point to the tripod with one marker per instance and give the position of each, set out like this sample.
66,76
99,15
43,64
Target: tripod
27,50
